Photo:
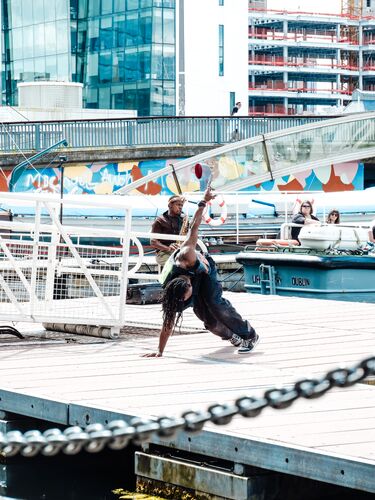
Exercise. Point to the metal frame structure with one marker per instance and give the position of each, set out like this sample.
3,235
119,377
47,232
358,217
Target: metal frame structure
34,136
301,60
273,155
47,275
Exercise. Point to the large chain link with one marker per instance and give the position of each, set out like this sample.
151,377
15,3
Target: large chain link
118,433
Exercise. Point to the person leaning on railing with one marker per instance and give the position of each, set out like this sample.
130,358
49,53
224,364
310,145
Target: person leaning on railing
170,222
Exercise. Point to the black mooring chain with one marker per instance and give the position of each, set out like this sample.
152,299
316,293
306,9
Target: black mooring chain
118,433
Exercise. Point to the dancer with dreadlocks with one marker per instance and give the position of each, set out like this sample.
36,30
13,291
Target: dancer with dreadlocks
190,279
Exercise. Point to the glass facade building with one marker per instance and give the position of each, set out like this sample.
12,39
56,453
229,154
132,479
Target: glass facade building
123,51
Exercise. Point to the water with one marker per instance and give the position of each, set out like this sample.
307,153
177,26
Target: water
85,476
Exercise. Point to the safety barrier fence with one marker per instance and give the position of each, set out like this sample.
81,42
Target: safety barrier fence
164,131
119,433
55,273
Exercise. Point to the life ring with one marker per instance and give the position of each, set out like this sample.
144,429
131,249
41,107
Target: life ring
224,213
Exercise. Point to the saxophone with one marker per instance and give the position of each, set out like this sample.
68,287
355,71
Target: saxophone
184,228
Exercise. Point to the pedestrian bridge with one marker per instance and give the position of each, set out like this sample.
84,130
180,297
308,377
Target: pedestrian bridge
273,155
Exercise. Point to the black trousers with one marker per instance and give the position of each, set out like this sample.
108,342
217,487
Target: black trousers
217,313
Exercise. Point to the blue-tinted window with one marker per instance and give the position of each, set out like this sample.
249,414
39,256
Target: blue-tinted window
157,28
93,7
62,36
117,97
106,33
130,97
27,12
221,50
131,65
118,6
93,35
145,28
221,3
132,29
106,7
17,43
61,10
125,48
104,97
62,67
49,10
105,67
40,67
28,41
168,26
38,10
51,67
132,4
15,10
119,31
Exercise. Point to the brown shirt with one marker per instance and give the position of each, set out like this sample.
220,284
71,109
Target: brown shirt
167,224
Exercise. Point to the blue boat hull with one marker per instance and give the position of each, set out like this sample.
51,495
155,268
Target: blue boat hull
330,277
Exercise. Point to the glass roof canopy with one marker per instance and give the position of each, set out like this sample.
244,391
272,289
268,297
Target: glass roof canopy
265,157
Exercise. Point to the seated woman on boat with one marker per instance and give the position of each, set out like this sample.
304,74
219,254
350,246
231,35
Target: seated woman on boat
333,217
303,216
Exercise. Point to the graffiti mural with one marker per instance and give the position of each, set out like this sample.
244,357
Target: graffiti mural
107,178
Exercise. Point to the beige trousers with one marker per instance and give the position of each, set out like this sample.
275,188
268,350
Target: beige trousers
162,257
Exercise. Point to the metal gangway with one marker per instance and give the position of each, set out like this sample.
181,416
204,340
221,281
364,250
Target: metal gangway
51,272
273,155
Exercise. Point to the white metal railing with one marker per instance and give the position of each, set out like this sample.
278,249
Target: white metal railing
47,276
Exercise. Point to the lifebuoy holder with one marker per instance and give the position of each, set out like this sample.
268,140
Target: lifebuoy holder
223,216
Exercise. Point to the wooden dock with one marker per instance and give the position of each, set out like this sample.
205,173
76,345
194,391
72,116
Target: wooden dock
77,380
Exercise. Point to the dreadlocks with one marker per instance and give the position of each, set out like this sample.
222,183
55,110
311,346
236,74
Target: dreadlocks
173,300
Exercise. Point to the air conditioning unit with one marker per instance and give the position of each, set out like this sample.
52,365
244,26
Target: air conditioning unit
47,94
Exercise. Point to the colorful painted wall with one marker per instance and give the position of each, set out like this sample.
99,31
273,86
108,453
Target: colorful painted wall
106,178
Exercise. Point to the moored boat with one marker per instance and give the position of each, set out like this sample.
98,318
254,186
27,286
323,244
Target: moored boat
331,263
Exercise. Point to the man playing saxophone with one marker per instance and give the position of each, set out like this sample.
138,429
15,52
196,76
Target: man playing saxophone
170,222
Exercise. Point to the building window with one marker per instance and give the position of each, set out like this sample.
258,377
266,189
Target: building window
221,50
221,3
368,3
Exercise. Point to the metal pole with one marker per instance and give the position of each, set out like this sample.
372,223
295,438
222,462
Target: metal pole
62,161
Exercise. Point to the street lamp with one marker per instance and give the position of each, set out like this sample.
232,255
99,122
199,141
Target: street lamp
62,160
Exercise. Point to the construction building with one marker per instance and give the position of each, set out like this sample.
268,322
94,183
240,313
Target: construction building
303,62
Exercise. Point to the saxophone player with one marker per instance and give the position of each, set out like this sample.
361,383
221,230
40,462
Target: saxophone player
170,222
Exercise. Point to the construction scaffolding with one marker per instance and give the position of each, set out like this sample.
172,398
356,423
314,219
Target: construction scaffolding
303,62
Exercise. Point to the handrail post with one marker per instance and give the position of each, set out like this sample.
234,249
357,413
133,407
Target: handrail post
37,137
218,131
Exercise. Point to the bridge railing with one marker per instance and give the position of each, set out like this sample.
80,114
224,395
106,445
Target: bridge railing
151,131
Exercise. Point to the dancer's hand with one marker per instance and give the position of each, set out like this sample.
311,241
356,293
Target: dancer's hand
208,194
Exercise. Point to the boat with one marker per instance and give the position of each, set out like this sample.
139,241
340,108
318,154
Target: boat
333,262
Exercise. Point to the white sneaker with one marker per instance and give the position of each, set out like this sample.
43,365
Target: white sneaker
249,344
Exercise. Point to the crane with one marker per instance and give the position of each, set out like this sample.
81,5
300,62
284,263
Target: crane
352,8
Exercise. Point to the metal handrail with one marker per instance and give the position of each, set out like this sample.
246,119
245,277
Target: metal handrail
145,131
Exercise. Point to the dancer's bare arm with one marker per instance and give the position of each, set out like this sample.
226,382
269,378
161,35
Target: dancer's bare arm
187,253
163,339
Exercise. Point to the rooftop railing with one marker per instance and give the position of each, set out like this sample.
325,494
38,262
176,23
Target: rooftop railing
165,131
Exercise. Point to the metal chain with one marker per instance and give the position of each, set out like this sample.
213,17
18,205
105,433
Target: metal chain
118,433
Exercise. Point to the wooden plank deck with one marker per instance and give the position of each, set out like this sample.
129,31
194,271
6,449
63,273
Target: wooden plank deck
329,439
